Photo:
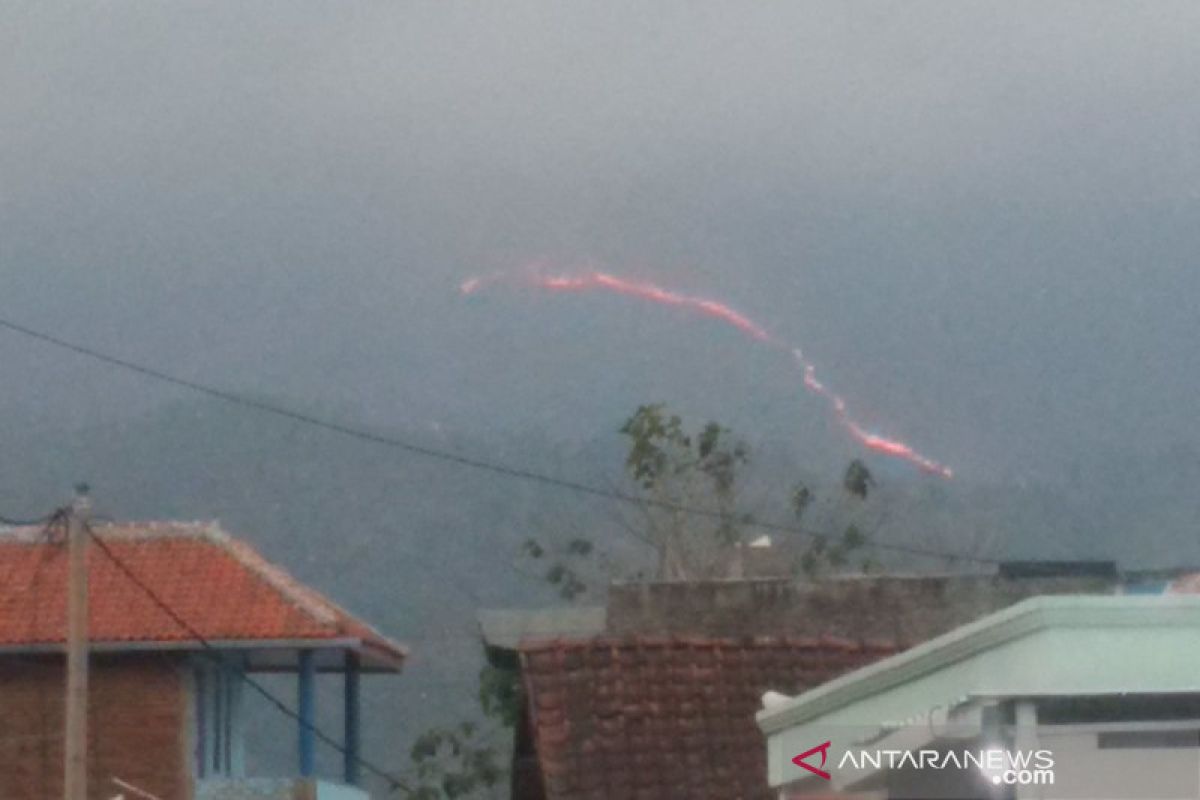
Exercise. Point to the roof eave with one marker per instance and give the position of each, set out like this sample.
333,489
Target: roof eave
376,656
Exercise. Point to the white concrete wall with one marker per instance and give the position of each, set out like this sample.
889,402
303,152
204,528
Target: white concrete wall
1082,770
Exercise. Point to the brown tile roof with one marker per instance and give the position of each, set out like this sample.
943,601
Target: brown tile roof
221,587
667,717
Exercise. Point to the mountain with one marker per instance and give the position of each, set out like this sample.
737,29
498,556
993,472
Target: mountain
415,545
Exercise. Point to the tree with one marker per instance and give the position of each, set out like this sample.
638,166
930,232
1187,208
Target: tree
456,762
464,761
680,473
690,511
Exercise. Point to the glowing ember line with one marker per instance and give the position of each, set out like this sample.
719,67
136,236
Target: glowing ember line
595,280
871,441
655,294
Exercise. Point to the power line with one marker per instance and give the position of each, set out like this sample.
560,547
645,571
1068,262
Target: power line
442,455
280,705
29,523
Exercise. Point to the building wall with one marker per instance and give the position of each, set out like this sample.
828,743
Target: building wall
137,726
1083,769
902,609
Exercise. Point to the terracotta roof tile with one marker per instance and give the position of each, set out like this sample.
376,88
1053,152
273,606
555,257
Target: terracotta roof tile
222,588
667,717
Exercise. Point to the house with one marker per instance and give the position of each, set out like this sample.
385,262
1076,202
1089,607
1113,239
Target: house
655,693
672,717
1054,697
180,614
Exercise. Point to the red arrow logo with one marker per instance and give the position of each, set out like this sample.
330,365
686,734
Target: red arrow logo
823,749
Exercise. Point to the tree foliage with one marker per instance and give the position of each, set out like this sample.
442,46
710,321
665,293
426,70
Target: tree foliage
456,762
692,514
464,761
679,472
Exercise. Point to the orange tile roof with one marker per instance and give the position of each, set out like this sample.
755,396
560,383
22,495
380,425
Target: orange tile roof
666,716
221,587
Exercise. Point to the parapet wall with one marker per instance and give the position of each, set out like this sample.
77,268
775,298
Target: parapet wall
889,608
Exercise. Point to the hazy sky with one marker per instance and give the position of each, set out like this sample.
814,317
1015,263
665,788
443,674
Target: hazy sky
981,220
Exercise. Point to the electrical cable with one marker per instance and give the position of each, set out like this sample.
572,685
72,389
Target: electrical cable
430,452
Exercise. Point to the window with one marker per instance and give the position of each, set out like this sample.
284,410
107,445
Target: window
1148,740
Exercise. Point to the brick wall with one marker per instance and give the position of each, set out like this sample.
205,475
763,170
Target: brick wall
902,609
137,716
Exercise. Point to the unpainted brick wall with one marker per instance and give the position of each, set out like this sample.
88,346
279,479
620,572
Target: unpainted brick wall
137,726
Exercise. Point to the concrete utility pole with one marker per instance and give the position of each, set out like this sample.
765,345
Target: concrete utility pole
75,777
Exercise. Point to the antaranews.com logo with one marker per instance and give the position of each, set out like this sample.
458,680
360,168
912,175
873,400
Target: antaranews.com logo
1000,766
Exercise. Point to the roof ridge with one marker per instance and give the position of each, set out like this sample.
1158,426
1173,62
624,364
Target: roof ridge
662,641
264,602
315,604
149,529
312,602
307,600
155,529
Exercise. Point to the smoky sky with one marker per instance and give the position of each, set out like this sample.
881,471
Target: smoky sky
980,220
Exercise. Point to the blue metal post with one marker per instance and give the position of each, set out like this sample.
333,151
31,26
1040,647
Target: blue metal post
353,723
306,701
